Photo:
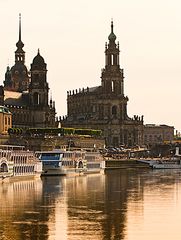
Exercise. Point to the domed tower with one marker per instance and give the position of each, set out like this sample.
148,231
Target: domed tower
17,78
112,76
38,88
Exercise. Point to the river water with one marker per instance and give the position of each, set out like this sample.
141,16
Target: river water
120,204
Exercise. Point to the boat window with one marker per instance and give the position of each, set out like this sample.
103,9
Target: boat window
50,156
3,167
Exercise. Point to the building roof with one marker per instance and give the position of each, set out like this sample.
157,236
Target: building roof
38,62
4,110
14,98
93,89
157,126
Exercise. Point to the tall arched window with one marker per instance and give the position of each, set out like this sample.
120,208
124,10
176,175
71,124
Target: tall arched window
112,86
3,167
112,59
114,110
36,98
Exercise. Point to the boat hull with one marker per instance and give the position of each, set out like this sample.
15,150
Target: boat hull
6,179
166,166
17,164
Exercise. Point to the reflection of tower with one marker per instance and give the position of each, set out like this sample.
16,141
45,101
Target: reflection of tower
115,202
61,216
57,216
86,204
16,78
16,198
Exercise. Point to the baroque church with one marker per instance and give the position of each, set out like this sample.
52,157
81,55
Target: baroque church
26,93
105,107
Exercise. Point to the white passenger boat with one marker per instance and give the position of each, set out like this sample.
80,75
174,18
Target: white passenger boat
62,162
59,162
51,162
173,162
16,162
163,163
94,161
74,162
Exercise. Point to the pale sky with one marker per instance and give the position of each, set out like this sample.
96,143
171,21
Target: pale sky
71,36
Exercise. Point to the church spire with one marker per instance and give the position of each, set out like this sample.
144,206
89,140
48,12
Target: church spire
19,44
19,53
112,36
19,26
112,75
112,26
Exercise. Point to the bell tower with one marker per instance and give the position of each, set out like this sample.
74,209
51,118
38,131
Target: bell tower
38,87
112,76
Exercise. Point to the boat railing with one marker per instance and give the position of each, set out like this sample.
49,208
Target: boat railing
12,147
5,154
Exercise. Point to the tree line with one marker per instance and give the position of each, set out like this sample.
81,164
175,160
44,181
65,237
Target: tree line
54,131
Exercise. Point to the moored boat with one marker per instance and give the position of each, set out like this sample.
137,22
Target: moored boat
162,163
173,162
167,164
16,162
74,162
94,161
60,162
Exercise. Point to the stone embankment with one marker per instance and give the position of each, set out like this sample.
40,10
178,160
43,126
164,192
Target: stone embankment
124,163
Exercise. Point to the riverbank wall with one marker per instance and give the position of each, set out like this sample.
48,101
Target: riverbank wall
123,163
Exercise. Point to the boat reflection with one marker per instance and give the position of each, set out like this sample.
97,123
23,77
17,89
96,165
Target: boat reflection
117,205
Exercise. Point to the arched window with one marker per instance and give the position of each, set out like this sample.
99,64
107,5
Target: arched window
3,167
5,120
114,110
36,98
80,164
112,59
112,86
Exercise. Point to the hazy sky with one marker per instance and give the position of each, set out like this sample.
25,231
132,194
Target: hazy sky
71,36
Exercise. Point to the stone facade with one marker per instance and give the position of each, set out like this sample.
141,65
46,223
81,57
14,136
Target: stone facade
5,120
105,107
158,134
26,93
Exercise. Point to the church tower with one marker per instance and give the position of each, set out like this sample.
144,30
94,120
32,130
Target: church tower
104,107
112,83
16,78
38,88
43,113
112,76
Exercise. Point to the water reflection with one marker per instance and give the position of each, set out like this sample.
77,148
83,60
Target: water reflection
18,201
122,204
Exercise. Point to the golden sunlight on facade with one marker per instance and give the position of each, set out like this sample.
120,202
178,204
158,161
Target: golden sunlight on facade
5,120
